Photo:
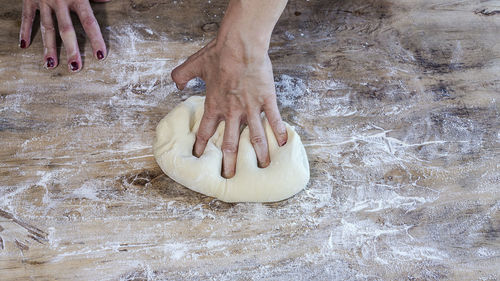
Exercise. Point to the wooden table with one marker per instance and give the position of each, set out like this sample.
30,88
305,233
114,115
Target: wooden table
397,103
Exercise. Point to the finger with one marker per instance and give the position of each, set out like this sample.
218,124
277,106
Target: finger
274,118
208,125
258,139
48,36
91,27
68,36
230,147
185,72
28,15
190,69
200,51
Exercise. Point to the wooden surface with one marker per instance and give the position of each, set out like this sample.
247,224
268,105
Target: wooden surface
397,103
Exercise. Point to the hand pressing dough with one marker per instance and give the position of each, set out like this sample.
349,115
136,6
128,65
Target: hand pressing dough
287,174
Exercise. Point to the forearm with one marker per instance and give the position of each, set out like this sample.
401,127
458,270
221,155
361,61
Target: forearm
248,24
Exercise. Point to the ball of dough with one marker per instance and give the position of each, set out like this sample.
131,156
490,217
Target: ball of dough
287,174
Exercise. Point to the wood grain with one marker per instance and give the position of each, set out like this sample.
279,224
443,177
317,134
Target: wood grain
396,102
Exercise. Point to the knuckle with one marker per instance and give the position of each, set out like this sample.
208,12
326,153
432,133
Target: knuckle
89,21
232,113
48,27
59,3
65,28
282,133
257,140
270,99
177,75
211,109
229,147
211,112
27,16
282,137
211,116
202,137
224,68
279,126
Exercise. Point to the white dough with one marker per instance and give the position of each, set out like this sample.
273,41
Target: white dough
287,174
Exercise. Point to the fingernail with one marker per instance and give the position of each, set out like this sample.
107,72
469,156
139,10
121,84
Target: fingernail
74,66
179,87
50,62
22,44
195,154
227,173
100,55
263,165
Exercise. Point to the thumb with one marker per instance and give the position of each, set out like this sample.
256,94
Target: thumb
182,74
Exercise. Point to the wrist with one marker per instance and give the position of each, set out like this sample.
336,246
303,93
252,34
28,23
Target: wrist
247,27
242,46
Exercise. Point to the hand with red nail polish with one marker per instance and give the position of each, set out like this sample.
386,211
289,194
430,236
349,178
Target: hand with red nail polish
239,81
62,9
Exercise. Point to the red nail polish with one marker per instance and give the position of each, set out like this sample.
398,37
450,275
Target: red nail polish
22,44
50,62
100,55
74,66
